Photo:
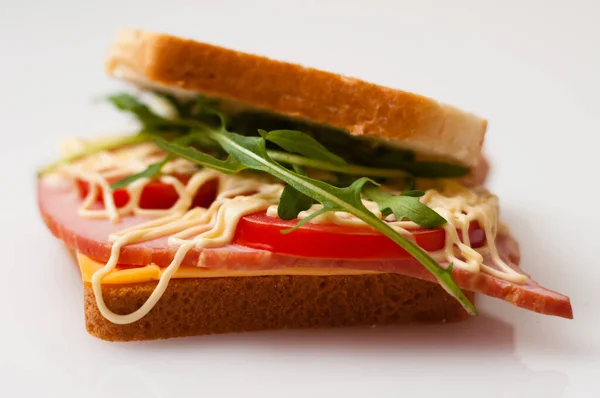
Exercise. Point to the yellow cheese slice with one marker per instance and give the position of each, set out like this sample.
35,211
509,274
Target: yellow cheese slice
153,272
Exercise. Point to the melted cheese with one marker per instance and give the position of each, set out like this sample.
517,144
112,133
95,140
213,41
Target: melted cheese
152,272
237,196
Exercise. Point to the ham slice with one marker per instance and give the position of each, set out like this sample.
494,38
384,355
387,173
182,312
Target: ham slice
59,200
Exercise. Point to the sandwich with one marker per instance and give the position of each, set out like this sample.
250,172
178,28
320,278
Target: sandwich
258,194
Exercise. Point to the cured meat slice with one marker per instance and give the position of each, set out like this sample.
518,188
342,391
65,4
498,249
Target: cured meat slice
59,200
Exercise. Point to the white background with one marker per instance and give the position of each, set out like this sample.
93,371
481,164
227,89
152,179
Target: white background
530,67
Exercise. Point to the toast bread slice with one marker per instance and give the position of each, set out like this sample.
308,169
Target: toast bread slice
201,306
411,121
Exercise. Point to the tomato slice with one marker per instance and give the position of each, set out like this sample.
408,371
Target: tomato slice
157,194
259,231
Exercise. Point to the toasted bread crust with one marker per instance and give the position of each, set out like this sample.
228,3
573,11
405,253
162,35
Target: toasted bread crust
192,307
358,107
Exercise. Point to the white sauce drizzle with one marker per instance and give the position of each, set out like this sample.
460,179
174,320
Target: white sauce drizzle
240,195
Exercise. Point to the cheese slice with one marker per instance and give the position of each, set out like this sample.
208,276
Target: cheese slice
153,272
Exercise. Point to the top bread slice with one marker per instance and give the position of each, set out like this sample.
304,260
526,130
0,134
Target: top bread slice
364,109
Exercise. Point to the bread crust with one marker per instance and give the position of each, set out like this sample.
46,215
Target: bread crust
192,307
360,108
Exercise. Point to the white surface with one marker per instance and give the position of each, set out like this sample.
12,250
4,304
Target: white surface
531,67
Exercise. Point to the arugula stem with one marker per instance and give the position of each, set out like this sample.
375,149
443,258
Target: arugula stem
299,182
92,149
353,169
443,276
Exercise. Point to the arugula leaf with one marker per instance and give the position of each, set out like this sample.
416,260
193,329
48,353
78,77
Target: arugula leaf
298,142
405,206
152,124
379,156
151,171
228,166
415,193
351,194
391,157
391,164
351,169
386,157
250,152
207,107
150,120
292,202
154,169
433,169
93,149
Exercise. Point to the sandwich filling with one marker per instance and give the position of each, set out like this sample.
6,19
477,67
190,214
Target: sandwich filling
200,194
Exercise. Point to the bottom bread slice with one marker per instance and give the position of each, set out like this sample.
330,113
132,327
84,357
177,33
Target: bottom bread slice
191,307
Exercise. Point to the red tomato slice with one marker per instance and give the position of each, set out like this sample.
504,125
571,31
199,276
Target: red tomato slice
158,195
259,231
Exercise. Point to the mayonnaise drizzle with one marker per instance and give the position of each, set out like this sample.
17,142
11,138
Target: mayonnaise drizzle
240,195
460,207
198,227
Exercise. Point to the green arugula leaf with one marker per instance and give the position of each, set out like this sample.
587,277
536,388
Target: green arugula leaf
93,149
151,171
228,166
351,169
303,144
351,194
251,152
393,163
292,202
206,106
150,120
405,206
154,169
433,169
384,162
401,159
394,156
